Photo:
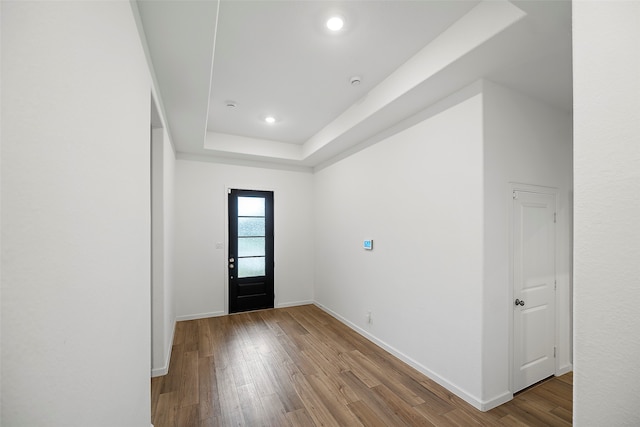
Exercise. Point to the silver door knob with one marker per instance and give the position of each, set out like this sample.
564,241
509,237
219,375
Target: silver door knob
519,302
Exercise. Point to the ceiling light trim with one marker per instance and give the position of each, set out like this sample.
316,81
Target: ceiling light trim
335,23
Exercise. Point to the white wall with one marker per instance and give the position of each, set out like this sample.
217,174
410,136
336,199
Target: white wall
434,198
606,38
201,206
1,134
418,195
162,199
75,216
526,142
169,178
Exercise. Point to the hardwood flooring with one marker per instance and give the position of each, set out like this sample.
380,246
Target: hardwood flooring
299,366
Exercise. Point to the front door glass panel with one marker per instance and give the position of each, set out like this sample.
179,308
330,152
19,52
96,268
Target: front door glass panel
251,236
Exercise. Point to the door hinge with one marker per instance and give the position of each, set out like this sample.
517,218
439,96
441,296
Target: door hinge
515,195
554,217
555,285
554,351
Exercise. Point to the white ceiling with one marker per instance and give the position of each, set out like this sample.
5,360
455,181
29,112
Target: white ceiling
275,57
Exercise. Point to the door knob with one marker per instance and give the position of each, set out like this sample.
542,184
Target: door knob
519,302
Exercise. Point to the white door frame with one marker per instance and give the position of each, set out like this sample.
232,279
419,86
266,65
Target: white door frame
531,188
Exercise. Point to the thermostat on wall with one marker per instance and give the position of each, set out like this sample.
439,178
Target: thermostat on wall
367,244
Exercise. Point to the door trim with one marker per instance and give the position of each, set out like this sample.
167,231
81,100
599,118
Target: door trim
528,188
225,249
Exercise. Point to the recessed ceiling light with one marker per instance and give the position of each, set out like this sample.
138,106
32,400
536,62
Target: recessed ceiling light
270,119
335,23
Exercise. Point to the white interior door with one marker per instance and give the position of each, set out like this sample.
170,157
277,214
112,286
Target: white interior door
533,287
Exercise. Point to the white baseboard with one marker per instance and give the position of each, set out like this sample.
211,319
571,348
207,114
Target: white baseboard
293,304
160,372
472,400
222,313
164,370
564,369
200,316
488,405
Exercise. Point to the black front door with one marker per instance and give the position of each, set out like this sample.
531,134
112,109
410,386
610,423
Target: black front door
250,250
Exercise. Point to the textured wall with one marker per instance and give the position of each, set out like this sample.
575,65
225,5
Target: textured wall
606,39
76,216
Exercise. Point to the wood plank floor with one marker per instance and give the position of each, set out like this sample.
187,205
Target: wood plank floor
299,366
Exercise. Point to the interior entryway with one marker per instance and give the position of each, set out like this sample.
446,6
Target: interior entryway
250,257
534,286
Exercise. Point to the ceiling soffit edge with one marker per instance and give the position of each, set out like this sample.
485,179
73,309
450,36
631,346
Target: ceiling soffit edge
473,29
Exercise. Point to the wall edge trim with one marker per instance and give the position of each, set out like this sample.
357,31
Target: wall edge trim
200,315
